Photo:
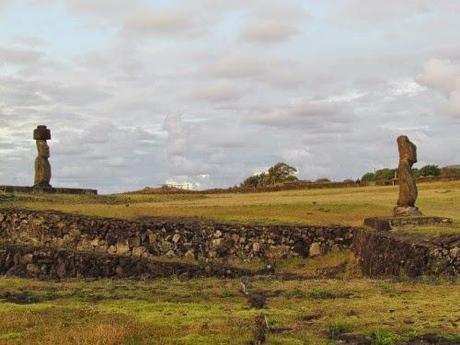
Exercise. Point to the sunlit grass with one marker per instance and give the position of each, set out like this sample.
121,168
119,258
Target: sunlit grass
320,206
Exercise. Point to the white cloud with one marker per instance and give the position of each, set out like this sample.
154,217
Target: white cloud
444,76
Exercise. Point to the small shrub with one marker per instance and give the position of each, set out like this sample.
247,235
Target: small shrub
450,337
383,338
321,294
337,327
294,293
326,294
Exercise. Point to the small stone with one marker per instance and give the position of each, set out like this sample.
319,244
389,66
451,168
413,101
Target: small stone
122,248
60,271
112,250
176,238
151,236
26,259
119,271
455,252
315,249
216,243
33,269
138,251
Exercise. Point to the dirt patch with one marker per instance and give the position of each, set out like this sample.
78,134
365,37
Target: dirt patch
25,297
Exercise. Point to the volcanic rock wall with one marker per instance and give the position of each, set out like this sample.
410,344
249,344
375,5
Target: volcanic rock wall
52,263
388,253
170,237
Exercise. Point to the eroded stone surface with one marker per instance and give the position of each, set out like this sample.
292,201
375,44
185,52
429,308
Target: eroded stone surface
407,186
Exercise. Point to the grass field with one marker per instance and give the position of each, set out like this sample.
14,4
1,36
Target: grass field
319,206
214,311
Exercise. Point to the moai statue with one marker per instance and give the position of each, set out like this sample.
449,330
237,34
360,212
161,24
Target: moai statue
407,187
42,165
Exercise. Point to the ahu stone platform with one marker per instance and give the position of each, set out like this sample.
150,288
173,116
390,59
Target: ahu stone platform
52,190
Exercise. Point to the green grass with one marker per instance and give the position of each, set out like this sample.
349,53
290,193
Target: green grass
213,311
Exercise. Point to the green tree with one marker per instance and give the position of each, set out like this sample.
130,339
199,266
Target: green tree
385,174
416,172
368,177
430,170
251,181
279,173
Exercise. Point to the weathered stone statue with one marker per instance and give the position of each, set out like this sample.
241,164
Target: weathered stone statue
42,165
407,187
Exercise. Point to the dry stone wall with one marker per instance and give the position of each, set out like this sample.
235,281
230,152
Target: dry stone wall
52,263
153,237
388,253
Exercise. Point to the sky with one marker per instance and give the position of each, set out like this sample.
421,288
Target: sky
144,92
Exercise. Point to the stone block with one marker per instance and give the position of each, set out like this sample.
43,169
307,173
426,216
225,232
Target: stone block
42,133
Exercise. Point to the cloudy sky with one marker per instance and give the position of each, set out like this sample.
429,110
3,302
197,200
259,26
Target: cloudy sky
140,92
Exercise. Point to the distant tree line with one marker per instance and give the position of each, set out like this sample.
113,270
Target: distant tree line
281,173
427,170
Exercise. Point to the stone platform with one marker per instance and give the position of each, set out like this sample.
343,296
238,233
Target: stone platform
25,189
389,223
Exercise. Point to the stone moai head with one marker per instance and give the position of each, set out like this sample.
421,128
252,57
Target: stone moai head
407,150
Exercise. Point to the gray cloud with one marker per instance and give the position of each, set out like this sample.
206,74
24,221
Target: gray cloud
270,22
15,56
305,114
219,91
160,22
268,31
277,72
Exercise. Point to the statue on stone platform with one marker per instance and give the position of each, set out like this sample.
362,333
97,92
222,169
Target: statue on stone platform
42,165
407,187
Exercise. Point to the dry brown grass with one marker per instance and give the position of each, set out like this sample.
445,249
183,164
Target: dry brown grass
324,206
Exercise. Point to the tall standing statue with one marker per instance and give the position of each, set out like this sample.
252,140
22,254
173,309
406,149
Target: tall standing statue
407,187
42,165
